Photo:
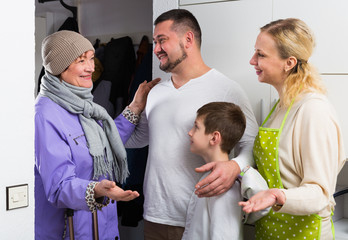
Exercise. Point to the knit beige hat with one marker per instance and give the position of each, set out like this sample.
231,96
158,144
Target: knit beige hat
61,48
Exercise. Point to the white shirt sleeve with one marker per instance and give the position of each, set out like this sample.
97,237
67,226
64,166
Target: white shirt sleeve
140,136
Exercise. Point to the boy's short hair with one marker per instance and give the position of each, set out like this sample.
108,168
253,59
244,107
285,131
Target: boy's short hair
226,118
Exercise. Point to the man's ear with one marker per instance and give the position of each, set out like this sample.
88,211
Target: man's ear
189,39
215,138
290,63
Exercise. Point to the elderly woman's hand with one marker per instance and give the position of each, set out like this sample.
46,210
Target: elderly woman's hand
139,101
111,190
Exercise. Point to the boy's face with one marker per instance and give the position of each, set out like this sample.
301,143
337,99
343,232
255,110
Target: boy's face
199,140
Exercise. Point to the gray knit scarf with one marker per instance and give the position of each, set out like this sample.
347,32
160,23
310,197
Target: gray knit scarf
104,143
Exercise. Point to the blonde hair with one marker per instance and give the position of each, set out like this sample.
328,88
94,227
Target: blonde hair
294,38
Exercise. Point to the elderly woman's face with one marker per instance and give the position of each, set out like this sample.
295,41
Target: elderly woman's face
79,73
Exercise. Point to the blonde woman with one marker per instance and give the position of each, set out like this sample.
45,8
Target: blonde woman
299,148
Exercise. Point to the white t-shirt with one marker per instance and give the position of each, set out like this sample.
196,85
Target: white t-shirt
170,113
218,217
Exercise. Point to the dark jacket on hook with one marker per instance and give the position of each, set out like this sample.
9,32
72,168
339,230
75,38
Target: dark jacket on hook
119,64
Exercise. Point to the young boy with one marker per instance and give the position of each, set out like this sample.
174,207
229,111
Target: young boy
217,128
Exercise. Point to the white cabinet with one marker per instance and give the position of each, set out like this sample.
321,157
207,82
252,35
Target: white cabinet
229,31
329,22
337,86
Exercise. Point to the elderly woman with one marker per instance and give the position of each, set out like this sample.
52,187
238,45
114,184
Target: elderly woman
299,148
79,151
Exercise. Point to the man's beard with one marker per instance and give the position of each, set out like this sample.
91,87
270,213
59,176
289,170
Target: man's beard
169,66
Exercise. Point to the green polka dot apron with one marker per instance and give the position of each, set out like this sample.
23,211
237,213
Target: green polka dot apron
279,225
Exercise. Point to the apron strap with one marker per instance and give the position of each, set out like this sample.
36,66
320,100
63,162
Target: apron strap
287,112
285,117
332,225
270,113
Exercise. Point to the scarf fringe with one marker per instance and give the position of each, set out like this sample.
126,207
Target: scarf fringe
101,168
121,171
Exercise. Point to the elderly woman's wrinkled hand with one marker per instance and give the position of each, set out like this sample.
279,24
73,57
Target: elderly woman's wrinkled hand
139,101
111,190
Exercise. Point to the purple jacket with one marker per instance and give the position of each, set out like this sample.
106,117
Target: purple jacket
63,169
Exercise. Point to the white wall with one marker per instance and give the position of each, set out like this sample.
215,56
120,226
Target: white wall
17,103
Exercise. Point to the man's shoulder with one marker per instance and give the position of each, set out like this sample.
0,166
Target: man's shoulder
216,74
164,82
219,79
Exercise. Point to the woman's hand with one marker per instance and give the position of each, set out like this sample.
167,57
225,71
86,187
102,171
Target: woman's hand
219,180
263,199
139,101
111,190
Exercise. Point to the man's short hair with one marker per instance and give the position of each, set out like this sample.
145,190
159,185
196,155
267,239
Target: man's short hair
183,21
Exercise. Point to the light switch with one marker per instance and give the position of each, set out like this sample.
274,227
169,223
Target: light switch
16,196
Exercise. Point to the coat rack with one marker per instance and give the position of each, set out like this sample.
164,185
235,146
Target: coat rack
70,8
